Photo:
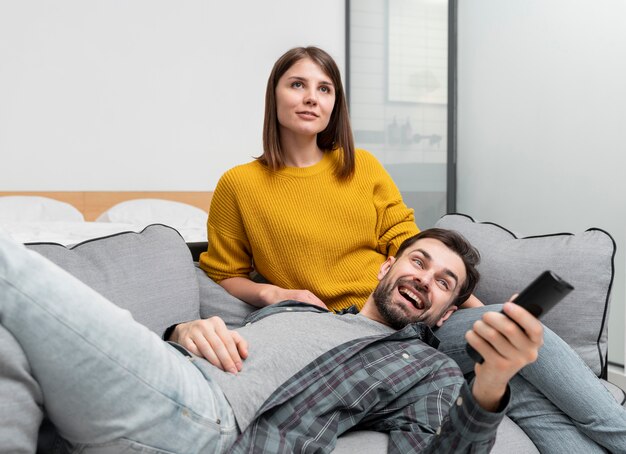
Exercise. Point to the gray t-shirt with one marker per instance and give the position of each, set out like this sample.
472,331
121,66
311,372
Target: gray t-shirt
279,346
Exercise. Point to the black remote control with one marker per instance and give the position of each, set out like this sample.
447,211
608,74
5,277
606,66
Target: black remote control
538,298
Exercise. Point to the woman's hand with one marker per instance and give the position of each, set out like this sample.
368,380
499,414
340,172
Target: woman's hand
277,294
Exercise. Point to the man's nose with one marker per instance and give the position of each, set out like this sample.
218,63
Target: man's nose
425,278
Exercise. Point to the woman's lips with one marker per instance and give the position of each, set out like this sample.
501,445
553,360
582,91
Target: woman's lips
307,115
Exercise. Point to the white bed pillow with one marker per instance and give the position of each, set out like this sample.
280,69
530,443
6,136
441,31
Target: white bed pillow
155,211
23,208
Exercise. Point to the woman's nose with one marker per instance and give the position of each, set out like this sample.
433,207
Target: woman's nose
311,98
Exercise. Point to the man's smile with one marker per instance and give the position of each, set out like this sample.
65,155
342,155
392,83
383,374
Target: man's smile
413,295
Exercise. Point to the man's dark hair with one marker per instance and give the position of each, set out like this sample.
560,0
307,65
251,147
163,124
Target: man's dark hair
459,245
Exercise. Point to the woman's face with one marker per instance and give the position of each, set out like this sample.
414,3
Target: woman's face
305,97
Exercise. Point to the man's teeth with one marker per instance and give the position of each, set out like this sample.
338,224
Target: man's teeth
416,300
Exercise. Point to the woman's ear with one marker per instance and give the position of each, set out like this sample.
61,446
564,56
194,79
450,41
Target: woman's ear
385,267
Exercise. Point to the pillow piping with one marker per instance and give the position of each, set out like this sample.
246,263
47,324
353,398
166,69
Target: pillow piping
36,243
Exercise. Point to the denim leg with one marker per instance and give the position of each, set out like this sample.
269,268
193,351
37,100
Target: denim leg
561,376
565,379
21,400
452,335
546,425
106,380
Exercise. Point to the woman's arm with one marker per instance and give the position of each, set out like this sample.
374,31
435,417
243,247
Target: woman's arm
261,295
396,221
472,301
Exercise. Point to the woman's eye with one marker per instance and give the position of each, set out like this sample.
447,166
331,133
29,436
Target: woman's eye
296,84
325,89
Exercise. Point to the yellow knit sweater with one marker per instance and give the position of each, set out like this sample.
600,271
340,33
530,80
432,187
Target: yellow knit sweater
302,228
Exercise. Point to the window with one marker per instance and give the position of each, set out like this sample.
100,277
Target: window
400,54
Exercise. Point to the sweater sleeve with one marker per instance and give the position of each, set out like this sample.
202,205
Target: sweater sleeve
396,221
229,253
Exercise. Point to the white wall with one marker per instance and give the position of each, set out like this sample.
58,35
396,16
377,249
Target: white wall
542,115
164,95
143,94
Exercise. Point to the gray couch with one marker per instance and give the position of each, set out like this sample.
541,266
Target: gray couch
153,275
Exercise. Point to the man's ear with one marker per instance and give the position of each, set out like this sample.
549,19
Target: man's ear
385,267
446,315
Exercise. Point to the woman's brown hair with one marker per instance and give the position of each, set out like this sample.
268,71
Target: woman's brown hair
338,133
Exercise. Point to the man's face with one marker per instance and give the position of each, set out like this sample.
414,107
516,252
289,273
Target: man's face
420,285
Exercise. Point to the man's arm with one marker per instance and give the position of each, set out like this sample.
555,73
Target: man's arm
210,338
465,428
507,345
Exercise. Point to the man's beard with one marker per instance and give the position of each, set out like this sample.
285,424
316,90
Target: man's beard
393,313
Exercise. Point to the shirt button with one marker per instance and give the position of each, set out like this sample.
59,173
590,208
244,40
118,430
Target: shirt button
438,430
288,309
249,323
459,401
405,355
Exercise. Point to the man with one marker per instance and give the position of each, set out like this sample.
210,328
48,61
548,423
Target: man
302,379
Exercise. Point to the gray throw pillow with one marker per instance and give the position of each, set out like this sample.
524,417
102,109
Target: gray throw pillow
585,260
150,273
214,300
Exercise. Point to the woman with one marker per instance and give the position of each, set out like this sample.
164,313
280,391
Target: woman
312,215
317,218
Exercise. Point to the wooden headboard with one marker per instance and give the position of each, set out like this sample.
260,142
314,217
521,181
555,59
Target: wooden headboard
93,203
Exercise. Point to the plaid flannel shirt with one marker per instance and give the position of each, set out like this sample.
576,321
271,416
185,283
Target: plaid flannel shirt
397,384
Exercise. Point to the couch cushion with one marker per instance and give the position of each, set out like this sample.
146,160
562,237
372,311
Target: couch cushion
149,273
585,260
618,393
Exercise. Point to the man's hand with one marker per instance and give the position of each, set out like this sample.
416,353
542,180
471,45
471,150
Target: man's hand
210,338
507,344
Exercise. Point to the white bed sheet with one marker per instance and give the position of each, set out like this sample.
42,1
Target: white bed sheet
70,233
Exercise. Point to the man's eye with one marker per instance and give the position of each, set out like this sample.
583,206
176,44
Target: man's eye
444,284
419,263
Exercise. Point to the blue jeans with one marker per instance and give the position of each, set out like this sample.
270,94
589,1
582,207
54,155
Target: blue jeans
557,400
108,383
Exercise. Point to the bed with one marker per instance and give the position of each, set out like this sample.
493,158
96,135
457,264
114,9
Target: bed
71,217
